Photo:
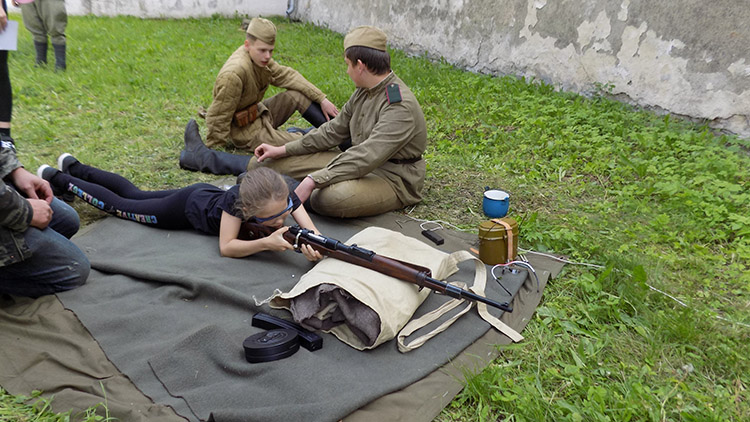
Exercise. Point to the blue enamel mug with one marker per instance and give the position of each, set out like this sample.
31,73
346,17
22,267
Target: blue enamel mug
495,203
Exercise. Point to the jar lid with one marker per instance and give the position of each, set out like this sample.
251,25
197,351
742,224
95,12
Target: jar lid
497,195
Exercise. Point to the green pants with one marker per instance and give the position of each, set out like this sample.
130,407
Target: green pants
280,108
46,18
363,197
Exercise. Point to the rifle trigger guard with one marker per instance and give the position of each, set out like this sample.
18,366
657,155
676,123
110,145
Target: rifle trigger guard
296,241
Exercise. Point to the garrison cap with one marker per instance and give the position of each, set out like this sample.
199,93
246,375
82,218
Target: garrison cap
262,29
365,36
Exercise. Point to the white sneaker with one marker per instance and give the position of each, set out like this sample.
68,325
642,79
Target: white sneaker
64,161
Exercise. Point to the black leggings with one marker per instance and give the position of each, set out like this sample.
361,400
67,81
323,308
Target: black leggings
6,94
116,195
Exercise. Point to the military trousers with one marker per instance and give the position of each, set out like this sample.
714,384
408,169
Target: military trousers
46,18
362,197
264,129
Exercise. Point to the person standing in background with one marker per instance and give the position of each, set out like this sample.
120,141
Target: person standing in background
46,18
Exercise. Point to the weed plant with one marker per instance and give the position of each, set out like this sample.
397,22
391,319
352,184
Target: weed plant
660,206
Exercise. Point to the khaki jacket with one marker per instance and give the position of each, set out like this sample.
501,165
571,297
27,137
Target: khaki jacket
15,213
241,83
379,131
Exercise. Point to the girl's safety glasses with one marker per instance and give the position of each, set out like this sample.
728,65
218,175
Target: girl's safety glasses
288,207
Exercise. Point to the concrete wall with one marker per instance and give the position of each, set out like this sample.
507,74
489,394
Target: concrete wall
174,8
687,57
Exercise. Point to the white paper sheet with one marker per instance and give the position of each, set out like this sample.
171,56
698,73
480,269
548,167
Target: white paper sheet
9,37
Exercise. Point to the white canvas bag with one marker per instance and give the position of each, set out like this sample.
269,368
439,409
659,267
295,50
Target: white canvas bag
380,303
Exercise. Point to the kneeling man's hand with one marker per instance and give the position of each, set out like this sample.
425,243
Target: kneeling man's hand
305,188
265,151
41,213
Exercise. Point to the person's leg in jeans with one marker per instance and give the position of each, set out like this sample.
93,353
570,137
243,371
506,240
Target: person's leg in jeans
56,264
65,219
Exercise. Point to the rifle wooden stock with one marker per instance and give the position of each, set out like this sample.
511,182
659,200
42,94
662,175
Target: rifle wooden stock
353,254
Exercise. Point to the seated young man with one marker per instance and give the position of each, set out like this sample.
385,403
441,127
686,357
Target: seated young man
239,116
381,134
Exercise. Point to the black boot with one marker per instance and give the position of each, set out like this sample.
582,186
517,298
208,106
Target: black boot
60,61
197,157
41,53
314,115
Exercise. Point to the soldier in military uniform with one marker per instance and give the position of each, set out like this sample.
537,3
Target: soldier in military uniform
380,131
239,116
46,19
36,255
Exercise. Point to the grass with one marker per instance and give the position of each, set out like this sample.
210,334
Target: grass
38,409
661,205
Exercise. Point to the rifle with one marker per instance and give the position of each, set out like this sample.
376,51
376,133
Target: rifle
353,254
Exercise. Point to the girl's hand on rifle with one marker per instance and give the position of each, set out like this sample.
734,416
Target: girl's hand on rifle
276,241
311,254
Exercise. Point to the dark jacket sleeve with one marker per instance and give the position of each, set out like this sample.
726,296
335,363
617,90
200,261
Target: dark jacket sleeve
15,211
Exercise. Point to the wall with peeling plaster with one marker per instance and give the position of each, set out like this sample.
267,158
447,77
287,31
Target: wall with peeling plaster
173,8
688,57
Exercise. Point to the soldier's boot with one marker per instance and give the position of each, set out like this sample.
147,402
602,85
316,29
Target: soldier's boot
299,130
60,59
314,115
198,157
41,53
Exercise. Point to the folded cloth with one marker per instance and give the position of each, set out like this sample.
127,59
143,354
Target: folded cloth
327,305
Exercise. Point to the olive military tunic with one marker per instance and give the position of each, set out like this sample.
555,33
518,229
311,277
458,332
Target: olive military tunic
388,140
241,83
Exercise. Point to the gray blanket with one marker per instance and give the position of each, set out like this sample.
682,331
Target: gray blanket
171,314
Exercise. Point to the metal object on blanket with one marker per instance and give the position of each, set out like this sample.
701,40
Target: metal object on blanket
271,345
498,240
307,339
353,254
430,233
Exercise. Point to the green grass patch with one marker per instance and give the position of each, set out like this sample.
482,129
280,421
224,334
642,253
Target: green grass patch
39,409
657,202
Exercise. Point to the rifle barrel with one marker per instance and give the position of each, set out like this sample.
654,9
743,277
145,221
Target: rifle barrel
459,293
385,265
